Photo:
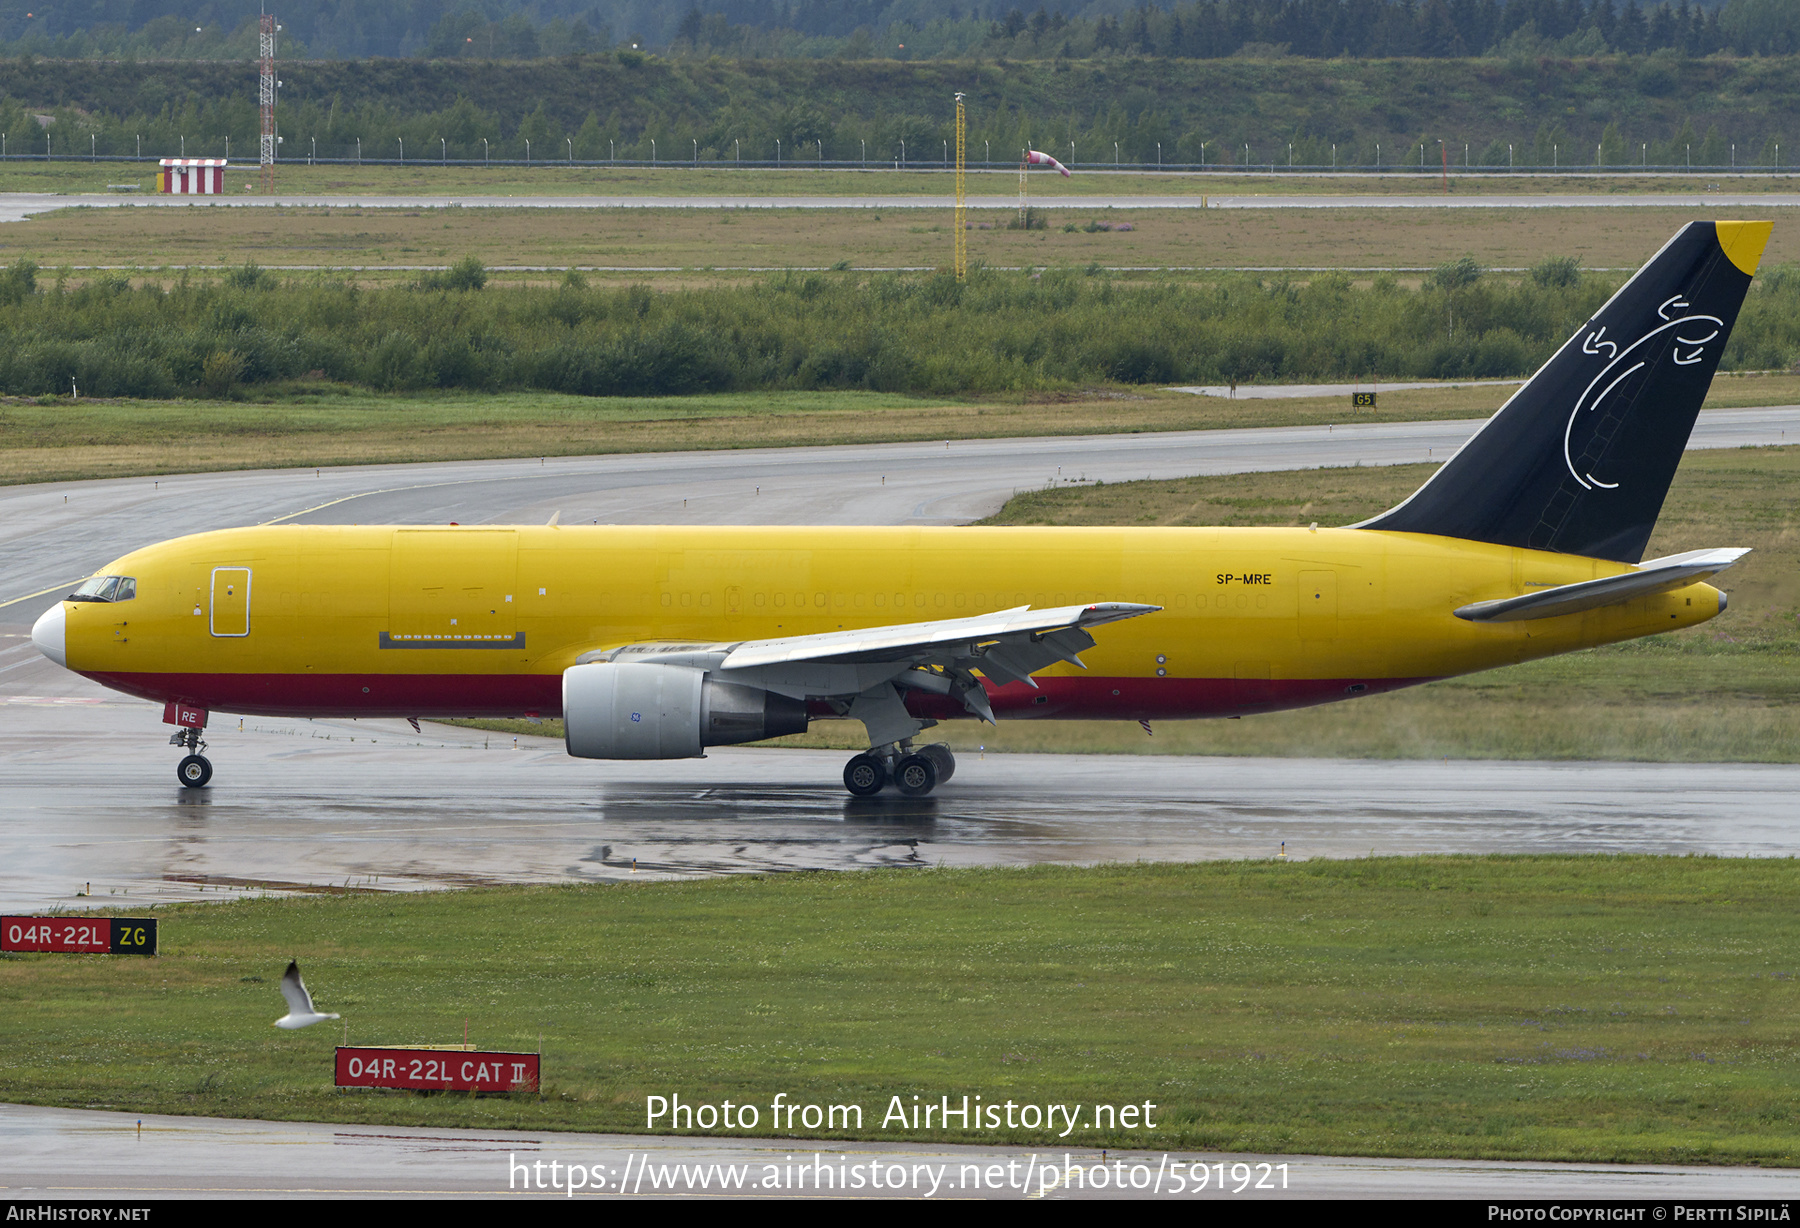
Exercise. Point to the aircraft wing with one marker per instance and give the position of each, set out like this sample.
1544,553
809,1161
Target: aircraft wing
1006,630
1654,576
864,672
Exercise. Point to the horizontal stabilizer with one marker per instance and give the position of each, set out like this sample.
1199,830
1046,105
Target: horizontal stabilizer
1655,576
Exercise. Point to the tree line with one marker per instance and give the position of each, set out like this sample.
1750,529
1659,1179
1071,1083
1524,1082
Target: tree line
1610,111
901,29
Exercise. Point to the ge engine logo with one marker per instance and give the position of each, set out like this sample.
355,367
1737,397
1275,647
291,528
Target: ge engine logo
636,717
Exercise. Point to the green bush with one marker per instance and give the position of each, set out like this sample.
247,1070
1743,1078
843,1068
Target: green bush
923,333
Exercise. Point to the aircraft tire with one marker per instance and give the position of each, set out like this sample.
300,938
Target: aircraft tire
865,776
194,771
916,775
942,760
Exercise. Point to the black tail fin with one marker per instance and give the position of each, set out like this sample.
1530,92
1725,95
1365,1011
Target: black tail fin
1580,459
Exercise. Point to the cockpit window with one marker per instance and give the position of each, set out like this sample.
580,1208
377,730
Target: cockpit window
106,588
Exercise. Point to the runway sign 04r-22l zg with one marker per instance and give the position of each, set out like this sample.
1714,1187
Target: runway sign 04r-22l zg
79,935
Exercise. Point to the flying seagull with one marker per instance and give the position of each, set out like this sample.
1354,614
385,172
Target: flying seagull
300,1004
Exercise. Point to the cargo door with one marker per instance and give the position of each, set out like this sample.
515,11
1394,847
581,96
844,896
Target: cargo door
453,588
230,601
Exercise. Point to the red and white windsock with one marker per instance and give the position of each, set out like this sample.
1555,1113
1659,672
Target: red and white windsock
1034,158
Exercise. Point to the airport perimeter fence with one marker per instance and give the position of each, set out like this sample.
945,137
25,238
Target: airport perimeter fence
1428,171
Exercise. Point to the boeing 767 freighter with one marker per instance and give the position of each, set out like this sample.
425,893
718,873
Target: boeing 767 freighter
658,642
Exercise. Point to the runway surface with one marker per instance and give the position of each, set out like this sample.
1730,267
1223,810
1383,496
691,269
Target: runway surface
94,815
16,206
92,797
71,1154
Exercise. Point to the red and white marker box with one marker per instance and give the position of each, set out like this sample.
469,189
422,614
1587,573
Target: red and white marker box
79,935
185,715
449,1070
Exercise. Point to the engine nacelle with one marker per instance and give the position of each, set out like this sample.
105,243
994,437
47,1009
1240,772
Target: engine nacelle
642,710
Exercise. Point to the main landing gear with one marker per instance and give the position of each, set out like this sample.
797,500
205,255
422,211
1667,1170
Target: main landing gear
196,769
914,772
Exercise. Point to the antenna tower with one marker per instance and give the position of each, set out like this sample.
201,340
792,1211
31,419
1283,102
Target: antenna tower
962,239
266,46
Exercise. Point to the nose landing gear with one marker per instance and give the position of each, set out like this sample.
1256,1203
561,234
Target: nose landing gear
196,769
914,772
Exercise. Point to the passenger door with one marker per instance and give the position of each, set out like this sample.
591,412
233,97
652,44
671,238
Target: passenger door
230,601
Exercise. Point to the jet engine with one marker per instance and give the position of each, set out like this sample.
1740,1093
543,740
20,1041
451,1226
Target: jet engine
643,710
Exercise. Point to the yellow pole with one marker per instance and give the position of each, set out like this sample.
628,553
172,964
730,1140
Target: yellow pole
962,239
1024,168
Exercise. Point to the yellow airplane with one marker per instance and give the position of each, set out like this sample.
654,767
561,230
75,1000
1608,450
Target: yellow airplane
657,642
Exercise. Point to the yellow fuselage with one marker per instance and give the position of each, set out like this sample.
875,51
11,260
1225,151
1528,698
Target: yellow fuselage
401,621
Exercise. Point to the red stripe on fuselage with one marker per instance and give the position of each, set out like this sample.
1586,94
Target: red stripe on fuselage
503,695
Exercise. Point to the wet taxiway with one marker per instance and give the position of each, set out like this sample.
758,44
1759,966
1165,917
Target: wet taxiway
94,815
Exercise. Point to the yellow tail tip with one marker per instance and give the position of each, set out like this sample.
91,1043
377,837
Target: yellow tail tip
1744,242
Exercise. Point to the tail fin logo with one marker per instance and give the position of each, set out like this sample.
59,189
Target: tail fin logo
1692,332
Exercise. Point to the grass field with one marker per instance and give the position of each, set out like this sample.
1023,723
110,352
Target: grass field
316,424
1596,1009
680,246
311,424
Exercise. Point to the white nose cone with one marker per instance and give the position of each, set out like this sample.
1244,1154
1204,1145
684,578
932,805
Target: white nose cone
47,634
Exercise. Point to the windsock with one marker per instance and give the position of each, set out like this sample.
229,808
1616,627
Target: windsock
1034,158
